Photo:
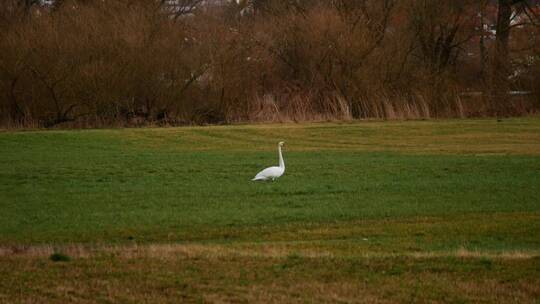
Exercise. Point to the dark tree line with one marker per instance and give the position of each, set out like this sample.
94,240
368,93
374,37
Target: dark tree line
132,62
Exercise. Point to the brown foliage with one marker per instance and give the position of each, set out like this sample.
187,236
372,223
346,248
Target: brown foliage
127,62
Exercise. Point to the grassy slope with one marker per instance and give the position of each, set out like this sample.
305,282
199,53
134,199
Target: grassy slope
399,191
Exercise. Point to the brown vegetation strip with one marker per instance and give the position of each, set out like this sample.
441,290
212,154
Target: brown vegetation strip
268,250
314,60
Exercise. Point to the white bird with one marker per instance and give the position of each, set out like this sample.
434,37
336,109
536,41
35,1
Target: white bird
271,173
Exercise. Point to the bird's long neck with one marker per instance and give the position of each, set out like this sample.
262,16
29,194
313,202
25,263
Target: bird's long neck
281,162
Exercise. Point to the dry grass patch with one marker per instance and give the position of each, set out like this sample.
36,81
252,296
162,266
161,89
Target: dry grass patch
246,249
205,277
480,137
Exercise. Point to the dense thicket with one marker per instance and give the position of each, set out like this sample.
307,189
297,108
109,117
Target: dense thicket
127,62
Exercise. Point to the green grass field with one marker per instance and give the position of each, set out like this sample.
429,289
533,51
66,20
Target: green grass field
411,211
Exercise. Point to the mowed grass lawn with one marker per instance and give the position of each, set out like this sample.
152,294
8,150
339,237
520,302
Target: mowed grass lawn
411,211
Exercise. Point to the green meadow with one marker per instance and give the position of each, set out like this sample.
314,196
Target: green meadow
377,212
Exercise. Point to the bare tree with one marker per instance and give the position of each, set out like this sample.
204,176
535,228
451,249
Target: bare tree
440,31
501,69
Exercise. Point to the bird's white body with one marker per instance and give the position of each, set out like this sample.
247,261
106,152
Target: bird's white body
271,173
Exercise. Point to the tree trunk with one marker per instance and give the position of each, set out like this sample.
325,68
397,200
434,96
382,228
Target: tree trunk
501,68
501,65
16,113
